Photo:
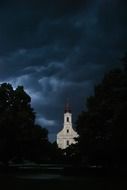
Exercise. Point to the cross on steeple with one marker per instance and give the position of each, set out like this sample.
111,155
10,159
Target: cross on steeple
67,107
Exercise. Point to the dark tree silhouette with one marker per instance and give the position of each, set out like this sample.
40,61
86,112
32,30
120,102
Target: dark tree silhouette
20,137
102,128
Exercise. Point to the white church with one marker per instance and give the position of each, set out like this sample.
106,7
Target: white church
66,136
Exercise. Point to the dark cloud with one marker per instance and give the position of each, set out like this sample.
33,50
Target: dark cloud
29,24
59,50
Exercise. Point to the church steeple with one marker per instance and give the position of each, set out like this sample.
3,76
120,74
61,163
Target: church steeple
67,116
67,135
67,108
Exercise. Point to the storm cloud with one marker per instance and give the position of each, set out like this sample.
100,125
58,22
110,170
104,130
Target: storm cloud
59,50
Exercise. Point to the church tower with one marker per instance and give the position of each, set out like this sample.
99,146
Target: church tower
66,136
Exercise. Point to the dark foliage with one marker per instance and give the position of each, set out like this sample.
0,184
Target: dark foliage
102,128
20,137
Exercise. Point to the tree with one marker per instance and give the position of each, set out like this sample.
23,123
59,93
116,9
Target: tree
56,154
102,128
20,137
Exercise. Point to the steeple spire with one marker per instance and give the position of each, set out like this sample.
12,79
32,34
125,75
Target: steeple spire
67,108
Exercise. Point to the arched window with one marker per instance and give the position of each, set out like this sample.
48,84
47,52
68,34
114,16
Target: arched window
67,142
67,130
67,119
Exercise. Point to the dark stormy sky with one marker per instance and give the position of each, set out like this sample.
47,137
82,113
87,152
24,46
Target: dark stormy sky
58,49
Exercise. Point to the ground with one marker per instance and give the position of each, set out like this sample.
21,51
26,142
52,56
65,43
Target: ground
87,183
32,177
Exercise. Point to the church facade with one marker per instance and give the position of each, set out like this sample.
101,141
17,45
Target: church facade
66,136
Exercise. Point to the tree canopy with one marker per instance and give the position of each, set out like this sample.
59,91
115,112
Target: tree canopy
20,136
102,127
